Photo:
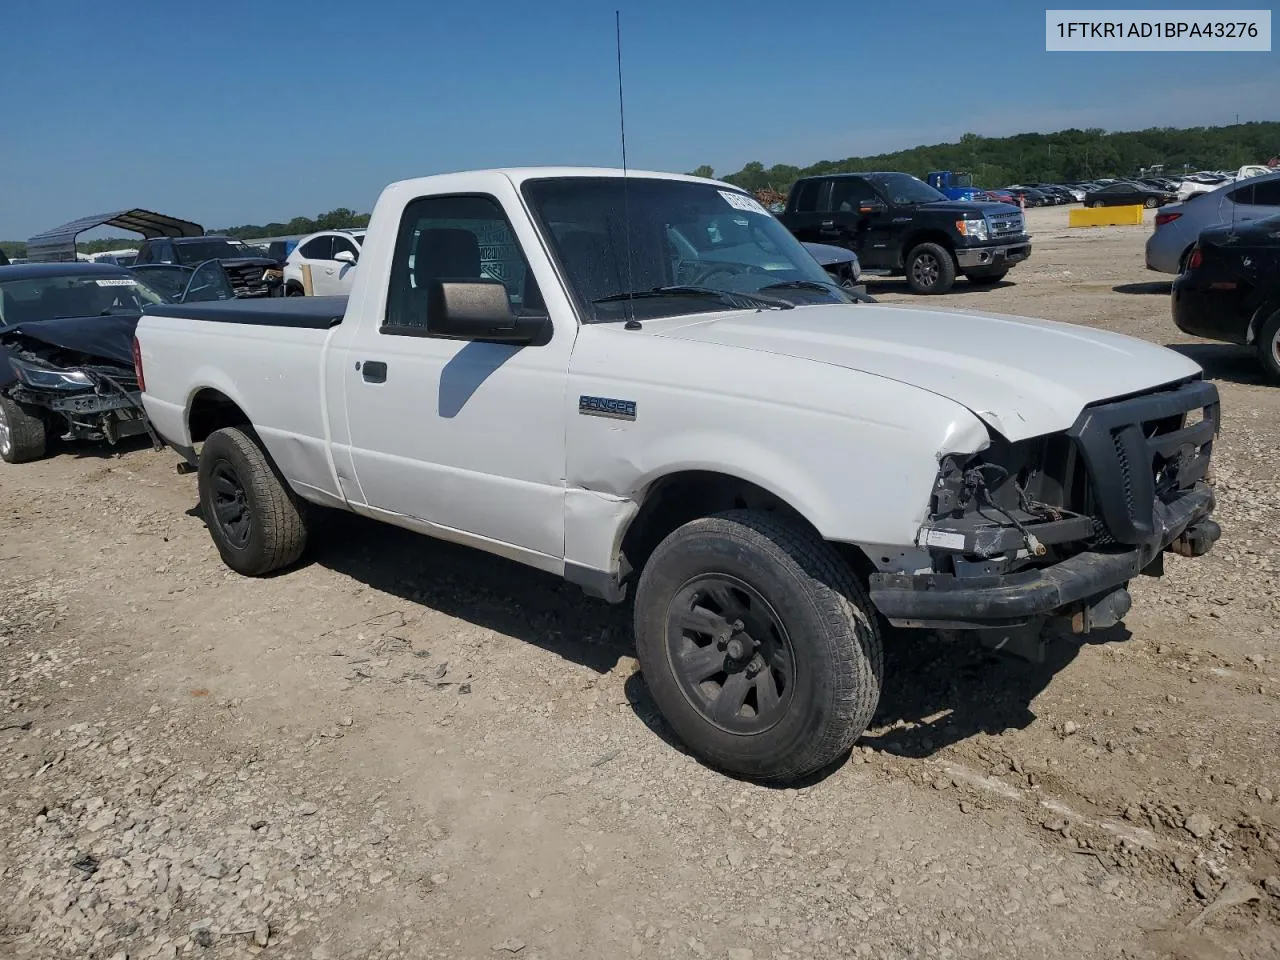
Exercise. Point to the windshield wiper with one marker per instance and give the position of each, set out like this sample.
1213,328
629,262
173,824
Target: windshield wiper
800,285
741,301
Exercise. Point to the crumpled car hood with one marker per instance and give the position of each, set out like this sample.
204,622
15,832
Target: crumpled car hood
107,338
1023,377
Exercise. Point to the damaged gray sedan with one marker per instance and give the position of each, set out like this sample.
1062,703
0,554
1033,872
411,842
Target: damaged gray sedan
66,350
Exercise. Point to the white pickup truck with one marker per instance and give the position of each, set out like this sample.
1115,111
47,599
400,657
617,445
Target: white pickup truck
646,382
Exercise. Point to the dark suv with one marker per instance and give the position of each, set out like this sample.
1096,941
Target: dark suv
250,276
898,224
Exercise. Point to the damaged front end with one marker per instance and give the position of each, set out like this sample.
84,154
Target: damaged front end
80,397
1041,537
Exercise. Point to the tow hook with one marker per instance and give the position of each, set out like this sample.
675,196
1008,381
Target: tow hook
1196,540
1099,614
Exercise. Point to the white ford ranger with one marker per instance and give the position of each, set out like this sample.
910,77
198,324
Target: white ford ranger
647,382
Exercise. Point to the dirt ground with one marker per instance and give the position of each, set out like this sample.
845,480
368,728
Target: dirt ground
403,749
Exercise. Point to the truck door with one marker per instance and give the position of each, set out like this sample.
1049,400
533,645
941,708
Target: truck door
858,217
804,214
466,437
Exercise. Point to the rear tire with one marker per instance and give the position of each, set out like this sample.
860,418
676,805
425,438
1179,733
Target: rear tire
748,590
1096,204
985,278
1268,347
930,269
256,521
293,290
23,434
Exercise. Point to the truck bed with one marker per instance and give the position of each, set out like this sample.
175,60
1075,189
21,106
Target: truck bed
307,313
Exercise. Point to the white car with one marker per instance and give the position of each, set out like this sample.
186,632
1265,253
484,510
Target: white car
770,467
331,256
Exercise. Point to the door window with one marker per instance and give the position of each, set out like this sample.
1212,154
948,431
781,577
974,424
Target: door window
807,196
848,193
343,243
454,238
1267,193
318,248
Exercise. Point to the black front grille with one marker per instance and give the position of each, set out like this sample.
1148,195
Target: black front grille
1144,452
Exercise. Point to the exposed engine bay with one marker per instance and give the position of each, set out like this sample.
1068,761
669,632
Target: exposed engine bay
77,376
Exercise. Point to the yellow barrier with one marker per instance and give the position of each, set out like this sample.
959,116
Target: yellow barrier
1127,216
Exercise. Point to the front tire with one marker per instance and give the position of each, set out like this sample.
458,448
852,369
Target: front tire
256,521
930,269
758,644
1096,204
23,435
1268,347
1150,202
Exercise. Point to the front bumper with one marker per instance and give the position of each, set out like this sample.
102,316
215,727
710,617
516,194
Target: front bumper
945,601
997,257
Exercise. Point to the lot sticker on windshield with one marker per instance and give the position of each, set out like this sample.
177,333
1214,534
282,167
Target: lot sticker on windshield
740,201
116,283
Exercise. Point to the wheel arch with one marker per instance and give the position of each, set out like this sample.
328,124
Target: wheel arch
1264,313
211,409
927,235
680,496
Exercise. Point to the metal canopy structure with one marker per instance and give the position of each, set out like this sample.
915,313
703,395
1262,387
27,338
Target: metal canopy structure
59,244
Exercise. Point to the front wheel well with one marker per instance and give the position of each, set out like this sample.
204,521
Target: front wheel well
927,236
212,410
680,498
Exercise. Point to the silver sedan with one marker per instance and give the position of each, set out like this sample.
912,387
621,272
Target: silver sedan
1178,225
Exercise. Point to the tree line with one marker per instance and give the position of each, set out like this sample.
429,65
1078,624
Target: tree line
1045,157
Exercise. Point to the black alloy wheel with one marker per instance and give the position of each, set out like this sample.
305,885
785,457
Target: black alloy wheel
730,654
231,504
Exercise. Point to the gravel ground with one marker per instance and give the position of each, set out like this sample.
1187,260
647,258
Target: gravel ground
407,750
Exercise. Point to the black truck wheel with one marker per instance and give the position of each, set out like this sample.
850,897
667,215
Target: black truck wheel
256,521
985,278
23,435
930,269
758,645
1268,346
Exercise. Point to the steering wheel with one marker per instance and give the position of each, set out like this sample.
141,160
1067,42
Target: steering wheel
716,269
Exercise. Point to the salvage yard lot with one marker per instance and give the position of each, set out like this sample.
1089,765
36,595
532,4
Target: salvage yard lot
405,749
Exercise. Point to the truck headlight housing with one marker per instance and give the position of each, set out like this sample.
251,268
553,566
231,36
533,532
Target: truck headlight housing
50,378
973,229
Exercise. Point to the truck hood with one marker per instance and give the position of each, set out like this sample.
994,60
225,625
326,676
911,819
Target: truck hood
959,208
1023,377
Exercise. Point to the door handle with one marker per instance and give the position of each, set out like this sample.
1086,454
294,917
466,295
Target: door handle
374,371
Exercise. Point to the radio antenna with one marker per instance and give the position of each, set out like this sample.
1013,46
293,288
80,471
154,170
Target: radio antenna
632,323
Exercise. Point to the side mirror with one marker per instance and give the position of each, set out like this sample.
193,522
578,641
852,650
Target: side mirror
478,310
869,207
345,256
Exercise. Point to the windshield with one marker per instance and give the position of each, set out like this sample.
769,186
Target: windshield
681,235
199,251
902,188
83,295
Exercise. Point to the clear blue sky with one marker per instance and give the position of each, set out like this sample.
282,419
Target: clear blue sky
236,112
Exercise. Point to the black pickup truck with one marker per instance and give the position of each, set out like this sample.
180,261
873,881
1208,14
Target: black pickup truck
250,276
898,224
